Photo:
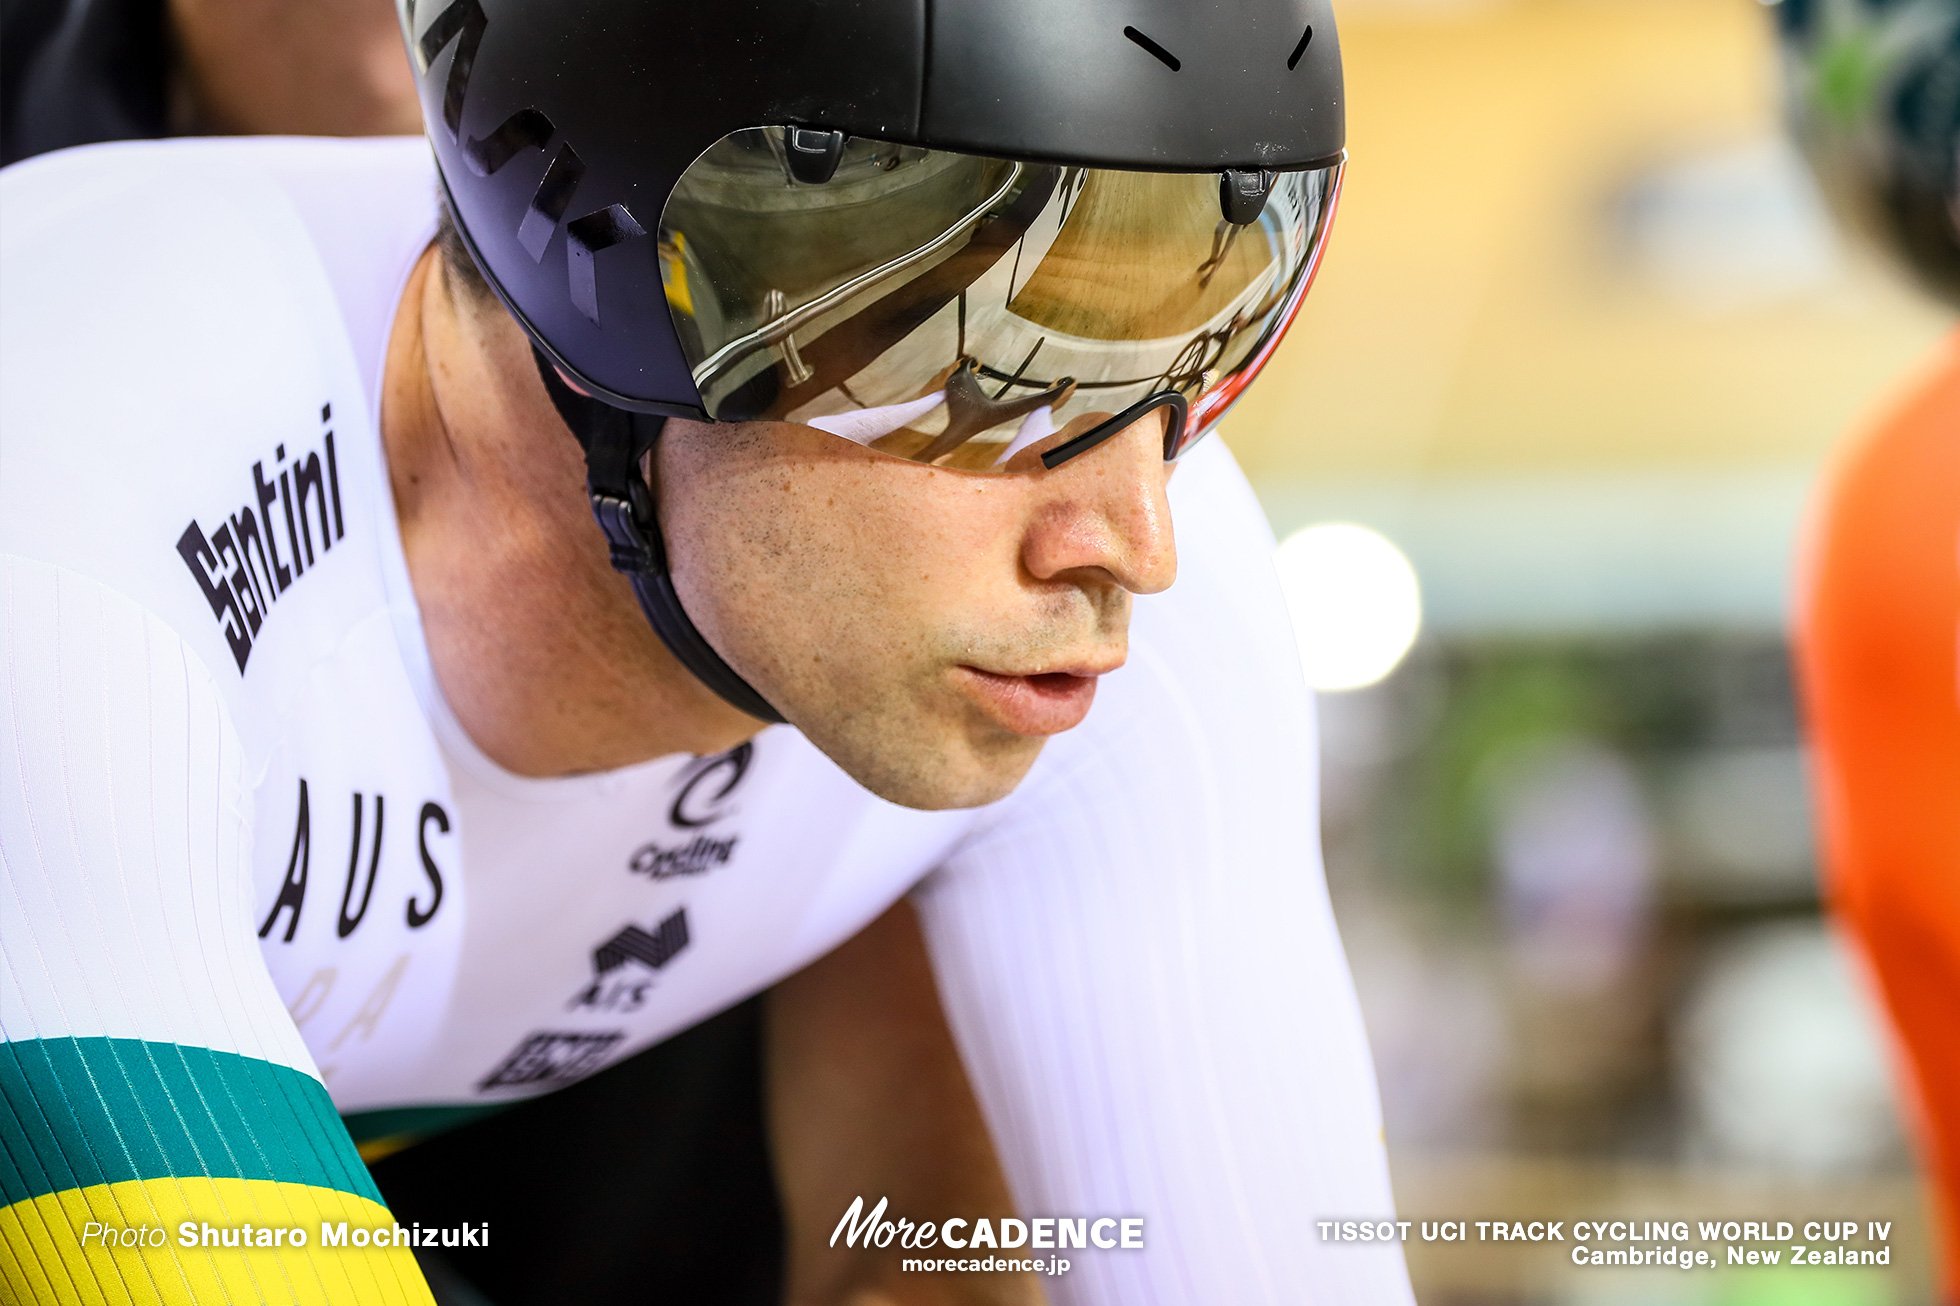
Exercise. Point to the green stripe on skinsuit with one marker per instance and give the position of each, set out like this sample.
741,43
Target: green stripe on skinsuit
75,1112
420,1121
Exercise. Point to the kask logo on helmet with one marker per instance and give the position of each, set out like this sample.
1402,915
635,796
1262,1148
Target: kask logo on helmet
867,276
463,22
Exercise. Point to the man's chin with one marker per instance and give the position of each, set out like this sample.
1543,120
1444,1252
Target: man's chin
976,788
960,772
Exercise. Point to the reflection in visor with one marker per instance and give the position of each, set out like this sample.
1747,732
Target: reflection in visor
957,309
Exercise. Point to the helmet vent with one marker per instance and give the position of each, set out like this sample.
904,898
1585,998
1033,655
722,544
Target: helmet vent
1300,50
1162,55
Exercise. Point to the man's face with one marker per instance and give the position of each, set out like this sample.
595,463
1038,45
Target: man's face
927,629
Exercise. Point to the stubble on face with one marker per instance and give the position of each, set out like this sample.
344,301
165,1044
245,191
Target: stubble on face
850,587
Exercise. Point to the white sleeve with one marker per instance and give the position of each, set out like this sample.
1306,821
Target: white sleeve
125,831
1139,961
149,1075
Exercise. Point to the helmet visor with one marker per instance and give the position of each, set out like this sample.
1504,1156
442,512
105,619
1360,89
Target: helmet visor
976,312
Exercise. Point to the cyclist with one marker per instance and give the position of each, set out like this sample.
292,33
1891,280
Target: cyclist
1873,89
869,337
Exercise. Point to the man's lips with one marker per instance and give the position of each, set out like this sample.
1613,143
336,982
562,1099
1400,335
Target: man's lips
1038,705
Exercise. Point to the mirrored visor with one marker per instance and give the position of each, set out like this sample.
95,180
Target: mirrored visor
977,312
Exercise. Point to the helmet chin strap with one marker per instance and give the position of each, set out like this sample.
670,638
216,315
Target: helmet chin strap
614,441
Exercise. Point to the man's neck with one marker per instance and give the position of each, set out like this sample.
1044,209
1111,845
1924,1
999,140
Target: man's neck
539,646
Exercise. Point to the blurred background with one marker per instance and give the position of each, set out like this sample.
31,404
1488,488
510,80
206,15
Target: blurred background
1584,340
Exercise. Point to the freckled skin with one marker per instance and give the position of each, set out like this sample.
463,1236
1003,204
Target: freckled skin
849,587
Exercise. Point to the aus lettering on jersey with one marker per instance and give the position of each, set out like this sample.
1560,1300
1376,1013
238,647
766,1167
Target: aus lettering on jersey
358,920
421,905
240,565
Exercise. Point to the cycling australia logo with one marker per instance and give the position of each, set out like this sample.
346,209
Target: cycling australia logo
618,983
660,862
703,798
240,567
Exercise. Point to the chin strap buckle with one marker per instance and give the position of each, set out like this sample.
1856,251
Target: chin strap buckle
621,502
615,441
632,551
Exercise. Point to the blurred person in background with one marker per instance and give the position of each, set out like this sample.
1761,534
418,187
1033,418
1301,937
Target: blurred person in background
73,72
1874,90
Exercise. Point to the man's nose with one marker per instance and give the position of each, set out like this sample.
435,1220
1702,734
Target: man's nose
1109,513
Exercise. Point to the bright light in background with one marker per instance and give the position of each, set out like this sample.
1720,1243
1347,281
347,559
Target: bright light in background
1356,608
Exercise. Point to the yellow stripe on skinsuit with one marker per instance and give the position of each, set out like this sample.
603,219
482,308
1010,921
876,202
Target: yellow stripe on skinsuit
43,1258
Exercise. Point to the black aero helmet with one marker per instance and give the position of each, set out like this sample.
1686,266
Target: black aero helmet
1872,90
984,234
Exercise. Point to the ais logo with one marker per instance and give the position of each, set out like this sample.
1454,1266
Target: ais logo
614,987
